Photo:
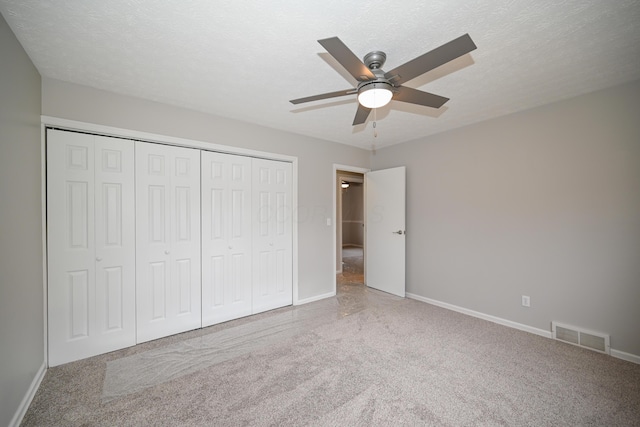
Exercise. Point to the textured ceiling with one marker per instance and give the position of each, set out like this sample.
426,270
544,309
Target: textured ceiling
245,59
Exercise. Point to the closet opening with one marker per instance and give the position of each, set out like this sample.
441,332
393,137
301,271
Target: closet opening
150,236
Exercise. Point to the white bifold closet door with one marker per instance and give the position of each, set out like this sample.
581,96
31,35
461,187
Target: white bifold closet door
90,245
272,234
226,237
167,240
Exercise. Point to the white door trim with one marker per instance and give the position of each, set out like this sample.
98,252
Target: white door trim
334,177
65,124
45,261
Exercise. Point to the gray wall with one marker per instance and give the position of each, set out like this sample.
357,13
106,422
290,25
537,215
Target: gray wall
21,290
544,203
315,166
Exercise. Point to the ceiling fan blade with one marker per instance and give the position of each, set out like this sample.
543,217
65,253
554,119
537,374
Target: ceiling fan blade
323,96
361,115
347,59
430,60
415,96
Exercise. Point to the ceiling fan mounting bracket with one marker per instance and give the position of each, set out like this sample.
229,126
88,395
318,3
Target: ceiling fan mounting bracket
374,60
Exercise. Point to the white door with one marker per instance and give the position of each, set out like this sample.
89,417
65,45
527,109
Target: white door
167,240
272,235
385,230
226,237
91,245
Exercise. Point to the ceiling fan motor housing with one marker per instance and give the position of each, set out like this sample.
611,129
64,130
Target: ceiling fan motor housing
375,84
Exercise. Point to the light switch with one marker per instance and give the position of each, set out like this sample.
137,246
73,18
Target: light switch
328,222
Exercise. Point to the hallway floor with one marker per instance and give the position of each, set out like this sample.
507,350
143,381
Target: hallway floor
352,267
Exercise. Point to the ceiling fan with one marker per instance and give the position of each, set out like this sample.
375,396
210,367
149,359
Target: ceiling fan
377,88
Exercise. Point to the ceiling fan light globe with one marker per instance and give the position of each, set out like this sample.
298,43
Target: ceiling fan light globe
375,95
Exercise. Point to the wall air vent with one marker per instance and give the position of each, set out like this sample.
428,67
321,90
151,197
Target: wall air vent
587,339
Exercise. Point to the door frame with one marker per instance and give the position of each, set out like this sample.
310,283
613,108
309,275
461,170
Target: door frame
334,185
92,128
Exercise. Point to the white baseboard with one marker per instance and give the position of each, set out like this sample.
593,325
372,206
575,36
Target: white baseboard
547,334
26,400
625,356
316,298
494,319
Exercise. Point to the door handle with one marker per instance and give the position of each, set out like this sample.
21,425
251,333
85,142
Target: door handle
398,232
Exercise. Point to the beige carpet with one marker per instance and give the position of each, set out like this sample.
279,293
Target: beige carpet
363,358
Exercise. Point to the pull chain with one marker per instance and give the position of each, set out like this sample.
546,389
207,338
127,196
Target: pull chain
375,132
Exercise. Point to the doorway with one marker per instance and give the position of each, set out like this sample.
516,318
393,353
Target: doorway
350,229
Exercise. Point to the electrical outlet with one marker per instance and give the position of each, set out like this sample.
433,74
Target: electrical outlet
526,301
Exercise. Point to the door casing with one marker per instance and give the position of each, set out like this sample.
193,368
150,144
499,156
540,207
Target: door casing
335,217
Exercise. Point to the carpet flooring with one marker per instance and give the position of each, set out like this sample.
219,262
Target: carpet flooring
362,358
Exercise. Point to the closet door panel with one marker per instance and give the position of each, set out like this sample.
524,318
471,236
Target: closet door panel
115,235
226,242
186,236
153,247
272,242
91,277
168,240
